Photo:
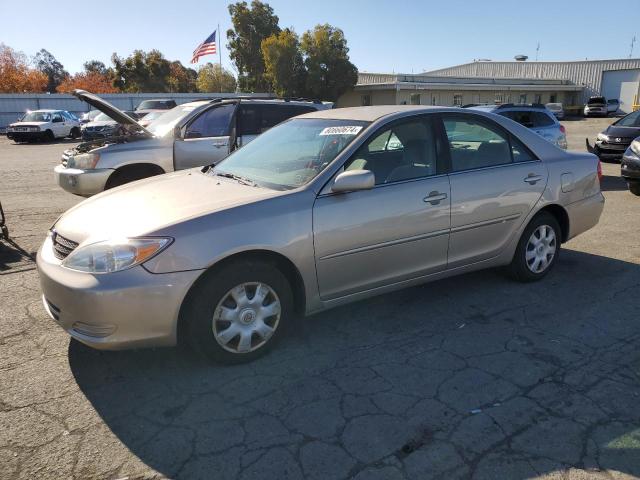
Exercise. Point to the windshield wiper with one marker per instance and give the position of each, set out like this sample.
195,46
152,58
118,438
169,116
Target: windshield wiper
237,178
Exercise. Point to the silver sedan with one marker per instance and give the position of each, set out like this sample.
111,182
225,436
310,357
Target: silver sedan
324,209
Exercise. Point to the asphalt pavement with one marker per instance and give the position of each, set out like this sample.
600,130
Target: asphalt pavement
470,377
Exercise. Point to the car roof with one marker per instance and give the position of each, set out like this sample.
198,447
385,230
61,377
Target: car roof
370,114
46,110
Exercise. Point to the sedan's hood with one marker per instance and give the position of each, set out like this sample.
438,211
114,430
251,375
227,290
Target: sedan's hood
144,207
113,112
616,131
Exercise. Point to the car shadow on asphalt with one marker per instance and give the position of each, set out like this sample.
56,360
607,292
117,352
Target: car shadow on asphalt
610,183
13,256
465,376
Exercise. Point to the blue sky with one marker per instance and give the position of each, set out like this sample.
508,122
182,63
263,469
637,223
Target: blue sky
383,36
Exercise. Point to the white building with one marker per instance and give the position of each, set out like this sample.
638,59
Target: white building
570,83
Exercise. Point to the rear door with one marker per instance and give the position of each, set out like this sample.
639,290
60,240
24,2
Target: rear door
206,138
495,182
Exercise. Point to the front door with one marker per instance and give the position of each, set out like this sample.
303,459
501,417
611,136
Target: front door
396,231
495,182
206,138
59,125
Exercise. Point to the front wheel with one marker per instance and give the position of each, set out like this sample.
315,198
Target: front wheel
238,313
538,249
634,187
75,133
49,136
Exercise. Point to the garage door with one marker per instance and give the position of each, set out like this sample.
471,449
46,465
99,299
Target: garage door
621,84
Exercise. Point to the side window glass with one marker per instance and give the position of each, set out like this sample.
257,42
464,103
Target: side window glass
211,123
403,151
249,120
57,117
475,144
520,152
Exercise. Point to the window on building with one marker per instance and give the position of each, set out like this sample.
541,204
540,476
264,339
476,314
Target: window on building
457,100
499,98
523,98
365,100
415,99
537,98
552,98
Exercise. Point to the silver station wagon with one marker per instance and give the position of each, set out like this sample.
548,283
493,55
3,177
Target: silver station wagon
327,208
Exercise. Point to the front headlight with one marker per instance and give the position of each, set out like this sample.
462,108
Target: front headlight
115,255
602,137
84,161
34,129
635,147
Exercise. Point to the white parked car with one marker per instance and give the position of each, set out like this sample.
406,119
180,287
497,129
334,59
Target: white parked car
557,109
44,125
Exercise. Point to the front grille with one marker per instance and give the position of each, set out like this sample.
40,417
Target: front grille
62,246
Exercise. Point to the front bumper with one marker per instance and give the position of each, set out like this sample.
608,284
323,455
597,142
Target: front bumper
128,309
26,136
595,111
82,182
630,168
610,151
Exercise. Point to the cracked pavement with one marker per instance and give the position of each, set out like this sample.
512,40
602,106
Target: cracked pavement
471,377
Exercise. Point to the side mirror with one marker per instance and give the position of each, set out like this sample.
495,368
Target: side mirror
354,180
177,132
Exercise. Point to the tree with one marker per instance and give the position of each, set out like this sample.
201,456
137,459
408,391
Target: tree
181,79
141,72
284,66
52,68
15,74
329,71
213,78
93,82
251,25
96,66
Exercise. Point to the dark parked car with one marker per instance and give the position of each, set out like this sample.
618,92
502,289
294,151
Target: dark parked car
630,170
616,138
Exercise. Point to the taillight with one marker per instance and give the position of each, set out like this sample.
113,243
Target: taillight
562,129
599,170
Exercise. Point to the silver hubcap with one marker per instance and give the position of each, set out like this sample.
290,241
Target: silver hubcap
246,317
541,249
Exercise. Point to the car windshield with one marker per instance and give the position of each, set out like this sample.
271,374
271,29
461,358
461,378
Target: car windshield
595,101
155,105
291,154
103,117
165,123
631,120
36,117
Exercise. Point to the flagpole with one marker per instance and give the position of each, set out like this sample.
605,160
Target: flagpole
220,54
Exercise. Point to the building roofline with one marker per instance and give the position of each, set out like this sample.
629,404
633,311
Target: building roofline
542,62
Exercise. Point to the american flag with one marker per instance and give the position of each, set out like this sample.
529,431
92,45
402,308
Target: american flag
208,47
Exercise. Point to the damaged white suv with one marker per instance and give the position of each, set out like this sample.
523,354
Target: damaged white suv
189,135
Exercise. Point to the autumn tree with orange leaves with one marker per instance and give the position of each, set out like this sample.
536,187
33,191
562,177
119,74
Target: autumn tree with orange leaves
93,82
16,76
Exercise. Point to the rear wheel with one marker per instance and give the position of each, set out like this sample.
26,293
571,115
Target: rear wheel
537,250
634,187
75,133
239,312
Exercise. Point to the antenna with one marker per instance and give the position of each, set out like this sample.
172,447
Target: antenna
537,51
633,41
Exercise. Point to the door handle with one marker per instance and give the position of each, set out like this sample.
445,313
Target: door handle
219,144
532,179
434,198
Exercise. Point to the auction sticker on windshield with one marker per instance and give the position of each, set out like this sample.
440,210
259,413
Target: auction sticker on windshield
345,130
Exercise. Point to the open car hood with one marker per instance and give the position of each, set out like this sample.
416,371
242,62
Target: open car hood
113,112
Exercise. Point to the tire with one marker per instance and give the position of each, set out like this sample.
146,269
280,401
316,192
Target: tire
212,299
634,187
122,177
75,133
49,136
527,264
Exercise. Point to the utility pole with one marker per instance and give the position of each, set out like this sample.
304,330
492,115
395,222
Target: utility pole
537,51
633,41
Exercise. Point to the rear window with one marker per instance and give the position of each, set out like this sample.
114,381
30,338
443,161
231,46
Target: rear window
542,119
